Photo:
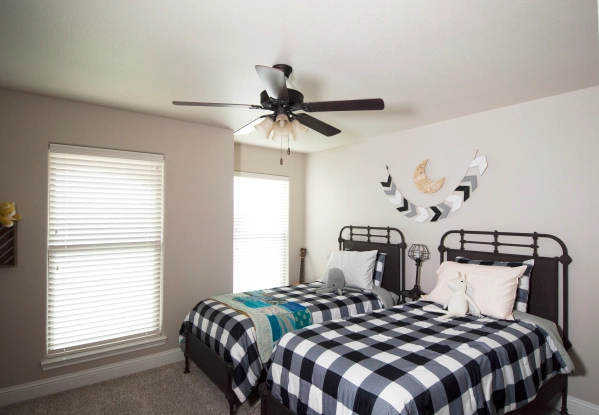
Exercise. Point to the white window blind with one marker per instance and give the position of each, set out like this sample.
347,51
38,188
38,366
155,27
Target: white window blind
261,232
104,247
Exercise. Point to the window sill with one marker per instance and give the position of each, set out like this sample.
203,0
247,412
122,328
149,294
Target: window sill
75,358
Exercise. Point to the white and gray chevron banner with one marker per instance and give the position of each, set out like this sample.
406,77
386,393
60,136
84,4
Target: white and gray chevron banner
451,203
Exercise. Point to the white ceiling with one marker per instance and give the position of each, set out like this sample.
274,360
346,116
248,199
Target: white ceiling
429,61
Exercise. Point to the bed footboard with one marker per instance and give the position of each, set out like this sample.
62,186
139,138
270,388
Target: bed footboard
557,385
215,368
269,405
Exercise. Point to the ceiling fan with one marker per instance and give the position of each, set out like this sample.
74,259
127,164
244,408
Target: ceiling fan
284,102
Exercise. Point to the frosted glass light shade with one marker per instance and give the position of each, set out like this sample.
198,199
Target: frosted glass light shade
280,138
282,126
298,130
265,127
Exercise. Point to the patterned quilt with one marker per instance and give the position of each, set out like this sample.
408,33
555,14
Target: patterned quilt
403,360
272,316
232,334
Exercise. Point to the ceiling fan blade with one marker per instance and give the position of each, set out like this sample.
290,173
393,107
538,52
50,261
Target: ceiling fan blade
249,127
317,125
351,105
215,104
274,82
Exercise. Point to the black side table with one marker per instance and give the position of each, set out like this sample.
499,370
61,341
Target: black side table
413,294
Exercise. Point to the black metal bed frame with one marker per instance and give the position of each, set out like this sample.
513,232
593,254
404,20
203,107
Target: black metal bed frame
543,301
221,372
393,281
546,286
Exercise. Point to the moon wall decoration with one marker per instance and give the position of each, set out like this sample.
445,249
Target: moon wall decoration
449,205
423,183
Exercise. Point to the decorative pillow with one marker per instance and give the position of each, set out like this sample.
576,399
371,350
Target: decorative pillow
494,287
521,303
357,266
379,268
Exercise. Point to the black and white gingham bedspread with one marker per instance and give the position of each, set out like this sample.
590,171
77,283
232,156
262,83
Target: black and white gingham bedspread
233,337
403,360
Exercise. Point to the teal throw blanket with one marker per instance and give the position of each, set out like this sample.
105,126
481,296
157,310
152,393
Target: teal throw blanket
271,316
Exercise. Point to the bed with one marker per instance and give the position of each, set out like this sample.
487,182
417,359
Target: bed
221,341
404,360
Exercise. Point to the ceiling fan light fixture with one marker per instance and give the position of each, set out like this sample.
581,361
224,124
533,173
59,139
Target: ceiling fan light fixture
282,102
298,130
280,138
265,127
282,126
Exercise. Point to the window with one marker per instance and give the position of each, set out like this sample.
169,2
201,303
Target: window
260,232
104,250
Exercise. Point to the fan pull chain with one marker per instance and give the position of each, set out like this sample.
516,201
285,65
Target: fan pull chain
281,151
288,150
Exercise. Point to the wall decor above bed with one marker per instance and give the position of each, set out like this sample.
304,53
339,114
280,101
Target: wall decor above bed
442,210
423,183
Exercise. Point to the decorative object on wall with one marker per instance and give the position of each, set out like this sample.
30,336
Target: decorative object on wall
8,234
8,246
423,183
451,203
418,253
8,214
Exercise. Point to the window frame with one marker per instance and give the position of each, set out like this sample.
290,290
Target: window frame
274,178
124,345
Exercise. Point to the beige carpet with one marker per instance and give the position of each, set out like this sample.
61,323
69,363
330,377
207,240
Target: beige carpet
164,390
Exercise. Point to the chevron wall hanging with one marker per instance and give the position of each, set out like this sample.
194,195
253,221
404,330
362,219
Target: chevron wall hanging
441,211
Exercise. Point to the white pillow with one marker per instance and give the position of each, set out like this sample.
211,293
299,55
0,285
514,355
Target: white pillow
357,267
494,287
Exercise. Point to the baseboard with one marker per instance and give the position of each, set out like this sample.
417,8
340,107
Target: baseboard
44,387
579,407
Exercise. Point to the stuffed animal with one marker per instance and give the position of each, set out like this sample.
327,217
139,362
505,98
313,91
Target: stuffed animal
460,302
335,282
8,214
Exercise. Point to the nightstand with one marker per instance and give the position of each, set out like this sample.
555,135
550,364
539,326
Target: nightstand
411,294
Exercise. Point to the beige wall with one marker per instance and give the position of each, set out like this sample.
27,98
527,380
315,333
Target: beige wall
542,163
254,159
197,222
543,167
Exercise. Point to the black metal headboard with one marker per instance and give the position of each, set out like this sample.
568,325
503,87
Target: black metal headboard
394,275
543,300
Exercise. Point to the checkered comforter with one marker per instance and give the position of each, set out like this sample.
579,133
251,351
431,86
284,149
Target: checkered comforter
233,337
403,360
